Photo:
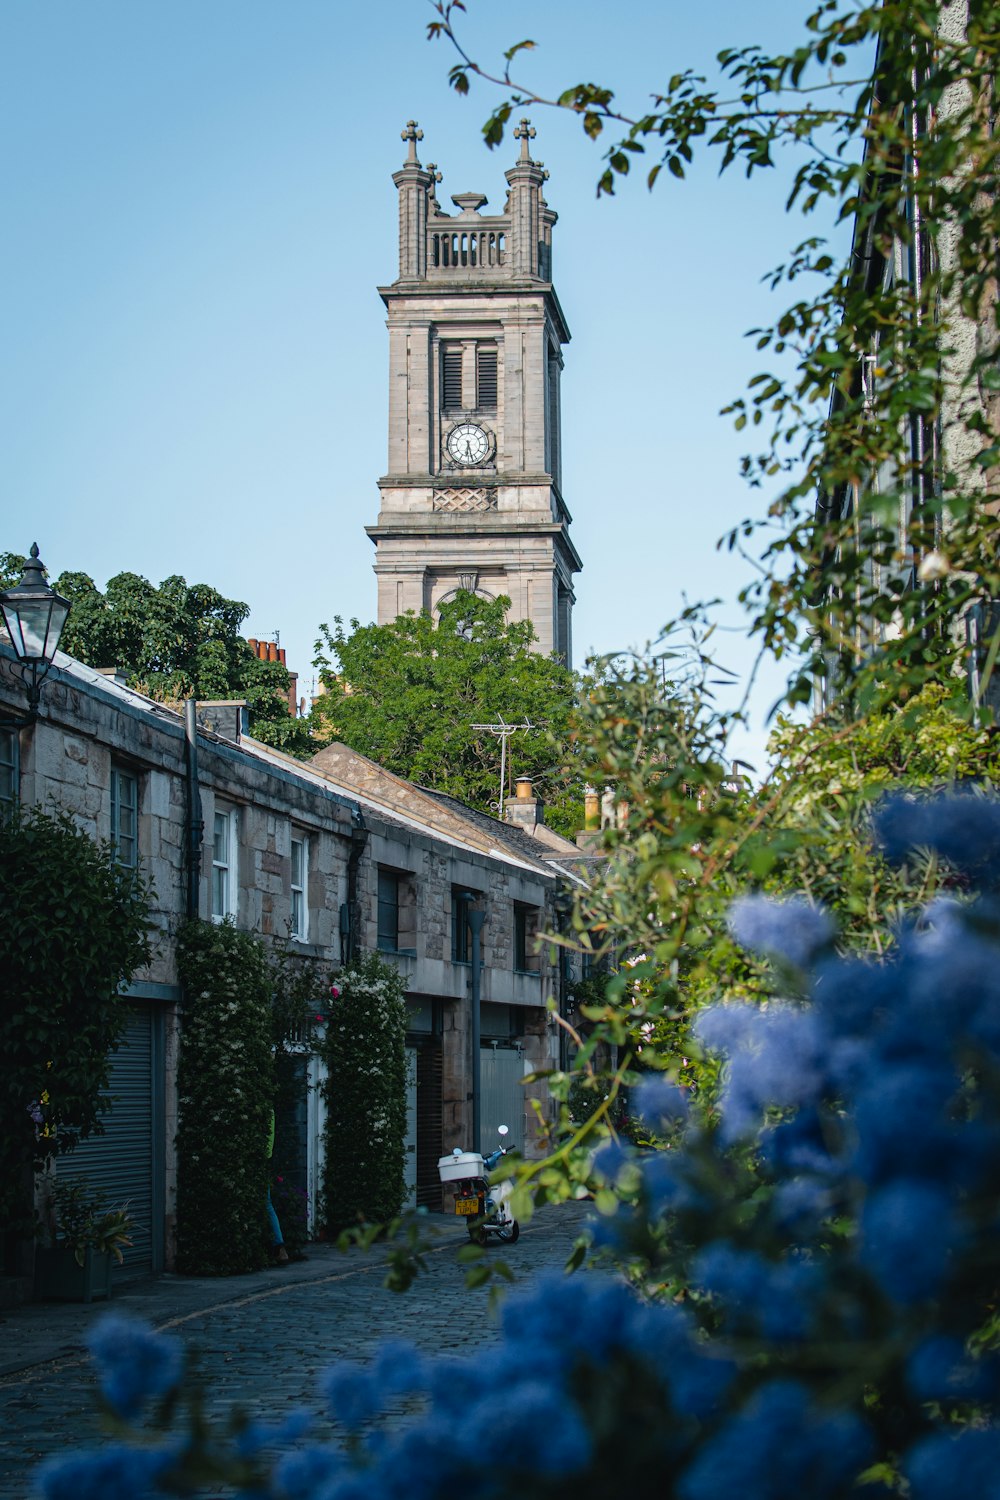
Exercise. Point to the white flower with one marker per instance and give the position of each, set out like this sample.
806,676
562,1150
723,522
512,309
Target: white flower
933,566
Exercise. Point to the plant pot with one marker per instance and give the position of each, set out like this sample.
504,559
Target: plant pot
59,1278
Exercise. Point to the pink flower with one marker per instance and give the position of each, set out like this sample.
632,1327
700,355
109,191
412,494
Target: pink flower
334,992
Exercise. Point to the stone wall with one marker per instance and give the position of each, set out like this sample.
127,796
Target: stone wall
88,725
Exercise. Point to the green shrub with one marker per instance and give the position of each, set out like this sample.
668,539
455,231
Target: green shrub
75,929
365,1092
226,1084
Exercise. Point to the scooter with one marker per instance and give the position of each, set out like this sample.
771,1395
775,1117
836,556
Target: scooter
486,1209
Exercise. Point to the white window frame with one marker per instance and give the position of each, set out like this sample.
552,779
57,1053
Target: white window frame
10,766
225,863
120,775
299,888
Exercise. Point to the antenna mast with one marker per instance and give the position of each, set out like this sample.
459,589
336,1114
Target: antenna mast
503,731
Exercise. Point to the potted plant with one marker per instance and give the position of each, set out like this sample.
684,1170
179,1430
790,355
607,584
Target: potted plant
82,1235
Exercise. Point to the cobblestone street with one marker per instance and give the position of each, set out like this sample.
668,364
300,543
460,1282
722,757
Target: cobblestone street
261,1339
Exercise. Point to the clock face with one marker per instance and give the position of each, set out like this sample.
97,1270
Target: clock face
468,444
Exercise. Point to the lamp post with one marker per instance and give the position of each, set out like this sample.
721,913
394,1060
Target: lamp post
34,615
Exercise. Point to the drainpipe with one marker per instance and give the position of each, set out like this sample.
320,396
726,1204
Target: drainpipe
476,920
195,821
349,911
562,906
916,257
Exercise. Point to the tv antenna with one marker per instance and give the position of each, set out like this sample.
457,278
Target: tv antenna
503,731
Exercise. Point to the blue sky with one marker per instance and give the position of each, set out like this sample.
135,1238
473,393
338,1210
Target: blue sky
199,209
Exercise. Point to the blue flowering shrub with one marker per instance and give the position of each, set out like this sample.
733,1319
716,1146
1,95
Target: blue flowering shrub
835,1225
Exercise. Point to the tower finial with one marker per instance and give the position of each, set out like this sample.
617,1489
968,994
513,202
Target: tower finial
411,135
523,133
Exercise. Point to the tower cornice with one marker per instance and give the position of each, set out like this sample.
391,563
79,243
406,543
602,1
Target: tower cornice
399,291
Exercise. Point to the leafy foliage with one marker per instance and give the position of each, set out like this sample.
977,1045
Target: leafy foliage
80,1220
252,1007
11,568
827,779
691,837
834,1228
176,641
75,929
882,395
408,693
225,1089
365,1095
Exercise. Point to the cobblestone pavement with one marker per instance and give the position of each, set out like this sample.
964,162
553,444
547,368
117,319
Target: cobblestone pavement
261,1340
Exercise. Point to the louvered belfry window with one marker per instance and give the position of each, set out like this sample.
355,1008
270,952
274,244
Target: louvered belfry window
486,376
451,379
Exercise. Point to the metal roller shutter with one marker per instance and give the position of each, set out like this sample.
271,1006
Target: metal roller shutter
502,1097
122,1163
429,1112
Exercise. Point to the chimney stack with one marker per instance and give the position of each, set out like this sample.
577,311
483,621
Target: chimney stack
524,809
271,651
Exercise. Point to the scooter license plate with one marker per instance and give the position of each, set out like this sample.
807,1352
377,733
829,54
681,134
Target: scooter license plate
466,1205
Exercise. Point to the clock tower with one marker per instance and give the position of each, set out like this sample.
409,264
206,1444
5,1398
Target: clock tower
473,494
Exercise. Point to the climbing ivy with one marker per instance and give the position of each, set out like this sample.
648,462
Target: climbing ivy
364,1050
226,1087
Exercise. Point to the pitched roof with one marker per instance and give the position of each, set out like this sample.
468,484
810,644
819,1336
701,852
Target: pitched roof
367,780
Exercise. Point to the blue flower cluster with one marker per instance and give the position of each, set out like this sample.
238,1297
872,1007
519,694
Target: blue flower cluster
836,1229
135,1366
529,1416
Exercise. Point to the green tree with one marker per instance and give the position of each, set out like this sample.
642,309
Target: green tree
175,641
11,568
407,694
75,929
885,115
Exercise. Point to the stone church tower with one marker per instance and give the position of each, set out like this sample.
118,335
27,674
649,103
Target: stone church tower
472,498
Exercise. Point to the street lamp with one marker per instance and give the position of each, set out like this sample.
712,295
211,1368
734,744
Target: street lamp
34,615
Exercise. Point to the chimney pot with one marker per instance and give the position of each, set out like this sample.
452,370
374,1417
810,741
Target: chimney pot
591,809
524,791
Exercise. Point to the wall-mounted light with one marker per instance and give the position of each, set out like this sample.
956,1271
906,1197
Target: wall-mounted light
34,615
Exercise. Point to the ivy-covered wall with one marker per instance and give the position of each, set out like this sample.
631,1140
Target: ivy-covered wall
365,1054
226,1088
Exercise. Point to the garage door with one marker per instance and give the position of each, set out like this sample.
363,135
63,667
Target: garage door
125,1163
503,1098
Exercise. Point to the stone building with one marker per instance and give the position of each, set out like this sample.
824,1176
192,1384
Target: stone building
335,854
472,497
430,860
